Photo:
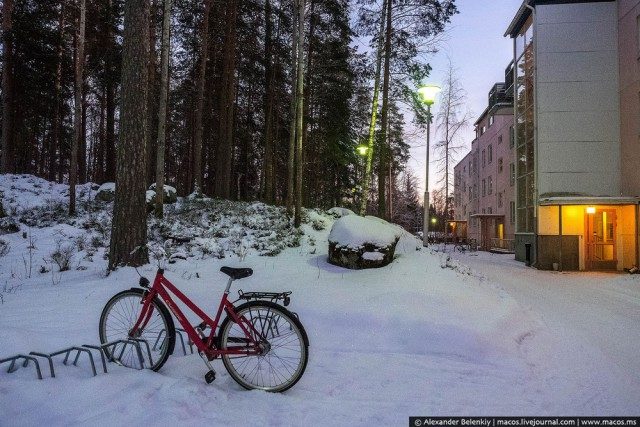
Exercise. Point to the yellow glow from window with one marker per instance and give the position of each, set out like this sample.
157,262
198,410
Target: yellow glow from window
591,210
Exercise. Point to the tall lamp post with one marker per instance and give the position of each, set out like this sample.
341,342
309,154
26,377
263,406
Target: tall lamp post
428,96
363,150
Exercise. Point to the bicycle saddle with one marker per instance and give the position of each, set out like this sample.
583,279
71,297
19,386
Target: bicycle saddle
237,273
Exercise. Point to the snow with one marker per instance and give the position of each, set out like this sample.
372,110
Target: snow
373,256
432,334
340,212
353,231
108,186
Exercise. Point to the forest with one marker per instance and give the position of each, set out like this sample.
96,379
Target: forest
291,102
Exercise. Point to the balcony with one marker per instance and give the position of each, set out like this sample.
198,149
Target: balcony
500,95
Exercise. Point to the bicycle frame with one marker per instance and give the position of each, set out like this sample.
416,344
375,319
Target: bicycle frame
162,287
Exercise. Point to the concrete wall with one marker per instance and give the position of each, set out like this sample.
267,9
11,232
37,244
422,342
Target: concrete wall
577,101
629,48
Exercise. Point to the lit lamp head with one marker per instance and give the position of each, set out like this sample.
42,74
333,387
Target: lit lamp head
362,150
428,93
433,220
591,210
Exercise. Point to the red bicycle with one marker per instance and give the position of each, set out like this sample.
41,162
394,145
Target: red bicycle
261,343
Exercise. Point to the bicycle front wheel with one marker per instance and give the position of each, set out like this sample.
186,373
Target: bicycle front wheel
155,341
283,340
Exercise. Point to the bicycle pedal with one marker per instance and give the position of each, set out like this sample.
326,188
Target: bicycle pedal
210,376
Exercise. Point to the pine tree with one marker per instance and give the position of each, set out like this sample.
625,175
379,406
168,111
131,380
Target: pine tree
129,228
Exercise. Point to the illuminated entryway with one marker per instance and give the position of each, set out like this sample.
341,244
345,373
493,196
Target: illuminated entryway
601,233
587,233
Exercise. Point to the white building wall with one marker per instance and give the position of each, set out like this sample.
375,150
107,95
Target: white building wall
578,116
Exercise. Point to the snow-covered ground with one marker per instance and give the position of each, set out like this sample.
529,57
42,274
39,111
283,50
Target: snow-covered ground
423,336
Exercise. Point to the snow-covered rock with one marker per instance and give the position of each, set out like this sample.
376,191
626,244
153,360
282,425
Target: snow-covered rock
340,212
106,192
356,242
170,194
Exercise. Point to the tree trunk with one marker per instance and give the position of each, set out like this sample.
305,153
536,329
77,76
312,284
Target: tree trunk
56,143
152,112
162,108
7,87
110,135
202,74
385,152
299,113
294,120
374,114
268,107
77,115
227,98
129,230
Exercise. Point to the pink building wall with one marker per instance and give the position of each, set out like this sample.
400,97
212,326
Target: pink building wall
480,168
629,48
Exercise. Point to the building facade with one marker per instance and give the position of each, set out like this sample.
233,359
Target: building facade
483,182
577,120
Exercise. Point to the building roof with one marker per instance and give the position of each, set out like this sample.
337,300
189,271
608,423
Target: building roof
589,200
521,17
525,11
494,109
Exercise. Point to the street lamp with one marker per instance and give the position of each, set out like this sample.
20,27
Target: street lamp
428,96
362,150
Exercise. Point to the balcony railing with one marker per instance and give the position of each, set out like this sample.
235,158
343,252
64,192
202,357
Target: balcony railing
504,245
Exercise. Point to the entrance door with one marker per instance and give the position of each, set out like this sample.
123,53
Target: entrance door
601,240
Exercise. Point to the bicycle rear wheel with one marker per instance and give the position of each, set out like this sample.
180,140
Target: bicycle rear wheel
120,315
285,343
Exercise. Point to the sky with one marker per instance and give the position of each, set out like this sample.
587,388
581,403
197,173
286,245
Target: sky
479,52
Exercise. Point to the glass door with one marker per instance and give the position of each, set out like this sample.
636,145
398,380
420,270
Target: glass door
601,240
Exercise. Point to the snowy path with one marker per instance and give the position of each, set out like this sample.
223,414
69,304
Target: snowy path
409,339
595,315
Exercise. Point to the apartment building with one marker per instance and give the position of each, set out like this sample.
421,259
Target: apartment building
483,180
577,133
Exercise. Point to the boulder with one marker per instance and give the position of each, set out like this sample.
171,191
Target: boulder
106,192
170,194
357,243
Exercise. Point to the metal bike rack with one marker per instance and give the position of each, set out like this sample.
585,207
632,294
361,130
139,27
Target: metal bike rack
180,334
107,349
13,359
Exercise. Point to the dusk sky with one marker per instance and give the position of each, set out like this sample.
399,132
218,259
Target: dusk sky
478,50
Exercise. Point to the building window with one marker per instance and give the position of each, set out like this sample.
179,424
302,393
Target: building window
512,174
483,129
491,120
489,210
512,212
490,185
511,137
484,187
475,191
490,156
500,163
469,167
499,139
484,158
524,129
470,193
638,31
499,200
